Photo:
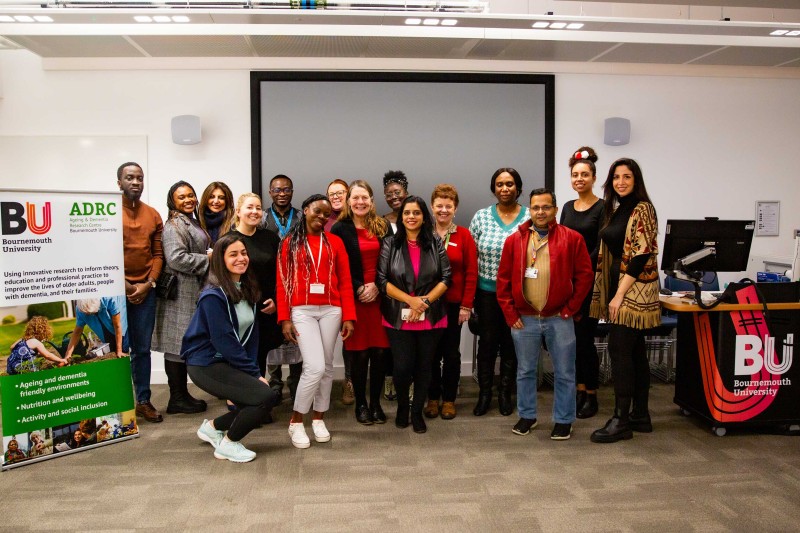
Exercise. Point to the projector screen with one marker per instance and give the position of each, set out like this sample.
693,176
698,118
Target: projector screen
437,128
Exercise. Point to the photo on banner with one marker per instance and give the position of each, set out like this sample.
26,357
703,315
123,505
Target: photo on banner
65,377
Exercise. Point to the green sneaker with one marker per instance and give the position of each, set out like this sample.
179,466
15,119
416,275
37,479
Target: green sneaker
233,451
207,433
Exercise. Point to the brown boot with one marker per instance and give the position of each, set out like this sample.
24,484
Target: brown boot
148,412
348,396
448,410
432,409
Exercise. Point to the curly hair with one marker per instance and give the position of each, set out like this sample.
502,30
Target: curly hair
38,328
586,155
446,191
395,176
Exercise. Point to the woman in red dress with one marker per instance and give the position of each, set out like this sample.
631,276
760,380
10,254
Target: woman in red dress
362,231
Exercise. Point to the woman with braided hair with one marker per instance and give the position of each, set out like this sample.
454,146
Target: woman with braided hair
315,303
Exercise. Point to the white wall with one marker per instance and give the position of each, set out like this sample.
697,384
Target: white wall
708,146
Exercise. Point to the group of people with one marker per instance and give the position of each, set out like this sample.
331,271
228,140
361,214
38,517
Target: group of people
253,282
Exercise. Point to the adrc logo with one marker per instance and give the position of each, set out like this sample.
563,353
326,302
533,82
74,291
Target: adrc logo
13,218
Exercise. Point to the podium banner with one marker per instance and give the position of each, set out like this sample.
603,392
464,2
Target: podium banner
65,380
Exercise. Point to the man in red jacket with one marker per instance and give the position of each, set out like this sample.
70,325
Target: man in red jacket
545,273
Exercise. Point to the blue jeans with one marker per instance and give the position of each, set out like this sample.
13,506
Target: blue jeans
141,321
560,337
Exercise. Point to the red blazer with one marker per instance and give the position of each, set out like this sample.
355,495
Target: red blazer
571,275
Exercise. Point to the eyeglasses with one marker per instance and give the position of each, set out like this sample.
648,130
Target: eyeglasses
394,194
544,208
284,190
337,194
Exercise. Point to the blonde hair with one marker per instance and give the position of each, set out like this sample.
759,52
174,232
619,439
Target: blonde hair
38,328
376,225
240,203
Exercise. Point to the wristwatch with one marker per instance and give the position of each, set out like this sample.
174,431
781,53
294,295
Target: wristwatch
426,301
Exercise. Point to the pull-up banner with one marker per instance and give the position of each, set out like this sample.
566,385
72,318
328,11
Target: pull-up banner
65,385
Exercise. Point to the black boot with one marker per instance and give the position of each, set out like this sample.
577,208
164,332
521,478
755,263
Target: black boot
617,428
580,399
589,408
403,408
179,398
485,379
418,422
639,419
508,378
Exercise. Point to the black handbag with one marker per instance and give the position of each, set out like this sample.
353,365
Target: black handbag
472,323
167,286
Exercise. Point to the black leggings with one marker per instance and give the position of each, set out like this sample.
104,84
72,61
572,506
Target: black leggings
630,368
252,397
587,364
363,362
412,352
446,369
494,335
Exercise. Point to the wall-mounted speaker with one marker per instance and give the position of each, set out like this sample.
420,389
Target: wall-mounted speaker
617,131
186,129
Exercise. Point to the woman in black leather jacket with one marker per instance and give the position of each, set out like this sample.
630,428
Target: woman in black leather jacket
413,272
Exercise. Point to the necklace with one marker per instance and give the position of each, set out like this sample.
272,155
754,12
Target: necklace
412,243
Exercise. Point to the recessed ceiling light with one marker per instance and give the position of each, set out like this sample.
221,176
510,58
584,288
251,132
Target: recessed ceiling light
449,22
23,18
575,26
162,18
779,32
142,18
541,24
180,18
430,22
6,18
558,25
42,18
793,33
413,22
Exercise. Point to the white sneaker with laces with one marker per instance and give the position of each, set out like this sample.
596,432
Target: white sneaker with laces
207,433
297,431
233,451
321,433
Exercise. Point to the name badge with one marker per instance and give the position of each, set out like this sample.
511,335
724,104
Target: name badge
452,244
317,288
531,273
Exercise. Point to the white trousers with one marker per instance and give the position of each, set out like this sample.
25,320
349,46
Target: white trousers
317,330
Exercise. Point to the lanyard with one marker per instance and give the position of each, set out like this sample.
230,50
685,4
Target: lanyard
542,244
319,258
282,230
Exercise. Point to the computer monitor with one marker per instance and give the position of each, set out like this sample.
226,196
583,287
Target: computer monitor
694,246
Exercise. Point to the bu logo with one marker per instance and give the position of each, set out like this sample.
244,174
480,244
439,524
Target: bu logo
749,360
13,218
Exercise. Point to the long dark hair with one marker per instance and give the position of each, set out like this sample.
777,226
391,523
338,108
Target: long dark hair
173,211
610,196
227,223
296,256
218,275
426,231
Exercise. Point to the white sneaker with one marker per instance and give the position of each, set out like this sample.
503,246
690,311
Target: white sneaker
233,451
321,433
298,433
207,433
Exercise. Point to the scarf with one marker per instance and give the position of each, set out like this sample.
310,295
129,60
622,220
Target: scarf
214,223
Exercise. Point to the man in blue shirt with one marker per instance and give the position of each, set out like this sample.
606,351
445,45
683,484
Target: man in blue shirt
107,318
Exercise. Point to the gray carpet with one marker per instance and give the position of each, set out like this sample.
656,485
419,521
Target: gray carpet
468,474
